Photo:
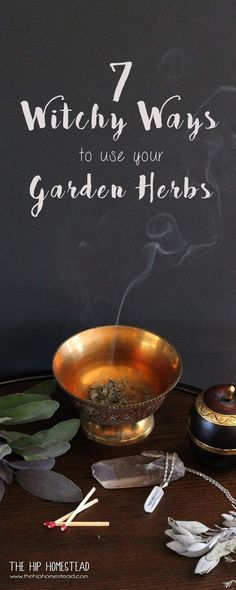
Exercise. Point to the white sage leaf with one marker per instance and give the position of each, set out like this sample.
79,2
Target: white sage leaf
230,523
177,527
216,539
197,549
170,533
186,540
222,549
228,516
177,547
229,559
192,526
204,566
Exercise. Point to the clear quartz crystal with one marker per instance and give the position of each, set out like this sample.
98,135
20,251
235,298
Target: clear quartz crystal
136,470
153,499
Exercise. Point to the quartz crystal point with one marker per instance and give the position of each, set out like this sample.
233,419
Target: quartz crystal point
136,470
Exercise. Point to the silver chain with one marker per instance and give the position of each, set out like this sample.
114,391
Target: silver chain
214,483
165,470
166,479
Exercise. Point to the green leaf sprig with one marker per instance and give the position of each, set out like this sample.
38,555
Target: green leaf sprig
33,404
38,450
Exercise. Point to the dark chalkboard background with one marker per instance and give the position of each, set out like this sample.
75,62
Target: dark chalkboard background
68,269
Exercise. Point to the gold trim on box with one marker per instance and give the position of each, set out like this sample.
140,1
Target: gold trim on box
213,417
205,447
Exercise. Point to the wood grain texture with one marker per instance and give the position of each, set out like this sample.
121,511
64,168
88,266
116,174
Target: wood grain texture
131,553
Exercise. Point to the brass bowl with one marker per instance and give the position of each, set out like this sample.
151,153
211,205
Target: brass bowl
118,353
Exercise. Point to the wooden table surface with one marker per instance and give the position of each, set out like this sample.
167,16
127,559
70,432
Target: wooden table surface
131,554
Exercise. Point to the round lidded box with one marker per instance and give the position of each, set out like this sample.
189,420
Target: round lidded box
212,424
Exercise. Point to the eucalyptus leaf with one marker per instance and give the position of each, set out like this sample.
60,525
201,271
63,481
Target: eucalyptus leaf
11,435
18,399
45,388
2,489
57,449
4,450
62,432
45,465
49,485
52,442
34,455
23,442
31,453
5,472
27,447
38,410
44,452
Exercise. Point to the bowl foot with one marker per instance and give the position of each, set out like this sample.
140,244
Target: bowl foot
118,434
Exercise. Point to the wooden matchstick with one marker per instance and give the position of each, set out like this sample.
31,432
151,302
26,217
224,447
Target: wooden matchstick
50,524
77,510
88,523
